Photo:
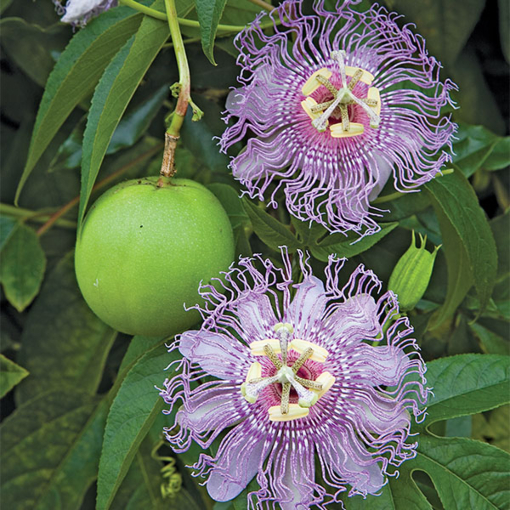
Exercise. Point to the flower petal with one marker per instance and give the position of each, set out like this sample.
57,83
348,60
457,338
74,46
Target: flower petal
213,410
237,462
353,321
256,316
307,307
341,452
217,354
295,489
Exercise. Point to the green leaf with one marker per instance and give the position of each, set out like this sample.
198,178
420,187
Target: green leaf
476,147
474,91
445,27
493,335
137,120
269,229
406,205
51,448
466,384
131,128
22,269
494,429
346,246
134,409
209,13
138,346
75,75
504,27
232,204
63,343
469,246
112,95
500,226
7,228
31,46
466,473
308,233
398,494
10,375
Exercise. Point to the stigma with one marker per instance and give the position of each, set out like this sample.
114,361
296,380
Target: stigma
276,349
340,99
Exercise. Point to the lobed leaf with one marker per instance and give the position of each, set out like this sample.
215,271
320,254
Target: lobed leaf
466,473
112,95
466,384
75,75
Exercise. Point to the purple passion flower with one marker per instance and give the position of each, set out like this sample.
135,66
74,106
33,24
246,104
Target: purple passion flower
336,103
314,383
79,12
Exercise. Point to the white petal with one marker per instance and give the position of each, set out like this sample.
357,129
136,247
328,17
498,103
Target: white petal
384,172
76,9
234,101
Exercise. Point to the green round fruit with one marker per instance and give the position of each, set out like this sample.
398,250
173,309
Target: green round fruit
144,249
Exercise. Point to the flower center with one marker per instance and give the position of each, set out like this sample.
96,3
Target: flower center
308,391
342,97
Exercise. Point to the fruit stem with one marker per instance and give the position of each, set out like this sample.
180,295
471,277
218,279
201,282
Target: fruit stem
183,88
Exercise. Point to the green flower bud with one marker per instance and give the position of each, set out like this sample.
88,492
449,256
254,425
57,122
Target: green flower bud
411,275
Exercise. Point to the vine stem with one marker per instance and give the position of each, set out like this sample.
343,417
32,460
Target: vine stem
75,201
181,21
183,98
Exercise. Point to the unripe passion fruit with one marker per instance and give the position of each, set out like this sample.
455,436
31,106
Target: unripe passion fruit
144,249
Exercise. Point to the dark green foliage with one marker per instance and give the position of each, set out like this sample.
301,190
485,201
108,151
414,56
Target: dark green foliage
82,417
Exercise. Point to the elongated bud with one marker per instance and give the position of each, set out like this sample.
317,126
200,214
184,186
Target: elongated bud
411,275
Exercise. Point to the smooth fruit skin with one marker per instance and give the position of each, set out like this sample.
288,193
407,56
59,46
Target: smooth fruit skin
144,249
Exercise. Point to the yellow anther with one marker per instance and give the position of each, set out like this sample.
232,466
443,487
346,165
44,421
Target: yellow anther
367,77
355,129
312,84
254,372
307,104
373,94
319,353
257,348
327,380
295,412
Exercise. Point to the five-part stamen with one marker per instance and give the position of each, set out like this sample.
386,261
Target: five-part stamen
308,391
343,97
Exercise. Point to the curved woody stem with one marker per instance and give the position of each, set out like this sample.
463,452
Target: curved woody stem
183,88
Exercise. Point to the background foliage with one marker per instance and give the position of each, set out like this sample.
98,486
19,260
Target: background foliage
82,111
